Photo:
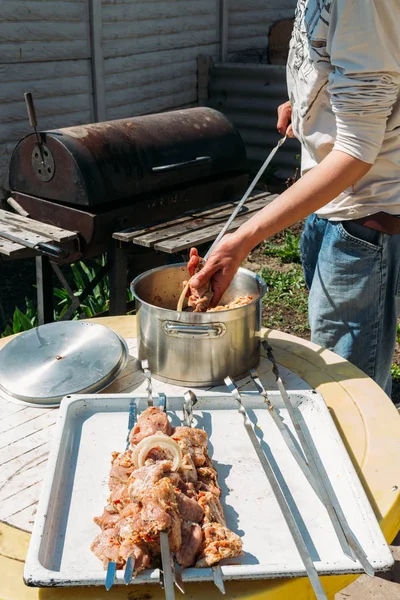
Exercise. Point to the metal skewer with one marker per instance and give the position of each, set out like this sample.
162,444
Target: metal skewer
314,481
167,575
190,401
246,195
130,563
110,577
279,495
149,387
316,466
168,578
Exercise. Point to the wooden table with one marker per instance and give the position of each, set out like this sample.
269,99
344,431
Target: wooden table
366,418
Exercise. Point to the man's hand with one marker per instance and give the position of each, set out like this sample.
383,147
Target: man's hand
220,267
284,120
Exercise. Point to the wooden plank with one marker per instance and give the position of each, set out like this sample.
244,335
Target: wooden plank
9,408
25,432
145,76
20,463
30,237
43,11
12,250
199,237
25,518
136,29
40,88
158,41
44,31
193,221
173,56
23,479
15,130
20,447
19,418
148,106
21,500
198,224
130,235
50,232
43,71
156,11
155,89
49,106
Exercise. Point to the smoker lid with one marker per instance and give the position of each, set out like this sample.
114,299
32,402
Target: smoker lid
44,364
117,161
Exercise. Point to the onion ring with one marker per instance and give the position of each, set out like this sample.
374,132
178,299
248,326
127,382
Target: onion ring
158,440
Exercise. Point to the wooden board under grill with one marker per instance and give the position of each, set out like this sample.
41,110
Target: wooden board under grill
31,231
193,228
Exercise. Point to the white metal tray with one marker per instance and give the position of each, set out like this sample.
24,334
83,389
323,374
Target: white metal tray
91,427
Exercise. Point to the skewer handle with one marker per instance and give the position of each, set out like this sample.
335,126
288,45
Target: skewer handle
30,107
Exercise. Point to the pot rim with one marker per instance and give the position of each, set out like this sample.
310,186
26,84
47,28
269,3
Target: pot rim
261,285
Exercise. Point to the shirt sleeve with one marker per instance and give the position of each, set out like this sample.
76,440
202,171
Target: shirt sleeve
364,83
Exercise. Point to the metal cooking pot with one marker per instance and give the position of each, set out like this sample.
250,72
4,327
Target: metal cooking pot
196,349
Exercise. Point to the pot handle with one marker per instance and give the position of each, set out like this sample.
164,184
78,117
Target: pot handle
214,330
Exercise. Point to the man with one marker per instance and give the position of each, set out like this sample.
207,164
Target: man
343,78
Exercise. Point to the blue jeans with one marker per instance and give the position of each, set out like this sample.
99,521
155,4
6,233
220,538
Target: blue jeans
352,273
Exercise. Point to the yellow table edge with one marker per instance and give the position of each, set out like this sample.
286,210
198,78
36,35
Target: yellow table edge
377,459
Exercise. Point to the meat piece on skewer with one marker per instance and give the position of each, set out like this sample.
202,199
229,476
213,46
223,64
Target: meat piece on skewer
151,421
121,467
194,441
207,481
175,491
146,477
213,511
219,542
189,509
158,512
139,551
108,519
192,538
106,547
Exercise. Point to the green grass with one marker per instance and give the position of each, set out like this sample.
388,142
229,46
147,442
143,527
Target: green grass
395,371
285,303
80,275
289,251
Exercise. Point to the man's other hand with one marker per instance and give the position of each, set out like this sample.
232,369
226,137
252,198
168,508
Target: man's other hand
284,120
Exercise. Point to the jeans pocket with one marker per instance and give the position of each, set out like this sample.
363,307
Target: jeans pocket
360,235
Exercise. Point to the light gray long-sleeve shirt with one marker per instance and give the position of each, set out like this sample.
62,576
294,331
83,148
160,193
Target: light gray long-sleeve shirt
344,86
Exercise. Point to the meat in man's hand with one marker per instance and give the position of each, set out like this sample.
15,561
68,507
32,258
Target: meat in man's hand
199,299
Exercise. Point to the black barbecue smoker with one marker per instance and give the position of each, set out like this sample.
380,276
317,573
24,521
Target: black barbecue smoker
129,175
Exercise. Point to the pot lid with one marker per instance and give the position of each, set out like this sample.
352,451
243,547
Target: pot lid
51,361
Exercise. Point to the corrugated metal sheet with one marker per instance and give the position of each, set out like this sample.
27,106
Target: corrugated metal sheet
150,51
44,49
249,24
249,95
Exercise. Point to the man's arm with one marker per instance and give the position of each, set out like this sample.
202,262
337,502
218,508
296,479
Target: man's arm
316,188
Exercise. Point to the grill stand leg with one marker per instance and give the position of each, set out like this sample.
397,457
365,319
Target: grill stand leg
118,279
44,281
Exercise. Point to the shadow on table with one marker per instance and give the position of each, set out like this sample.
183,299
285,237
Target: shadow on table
394,574
325,367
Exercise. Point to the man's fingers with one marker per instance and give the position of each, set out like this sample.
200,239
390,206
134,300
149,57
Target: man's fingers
289,132
219,289
203,276
284,116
